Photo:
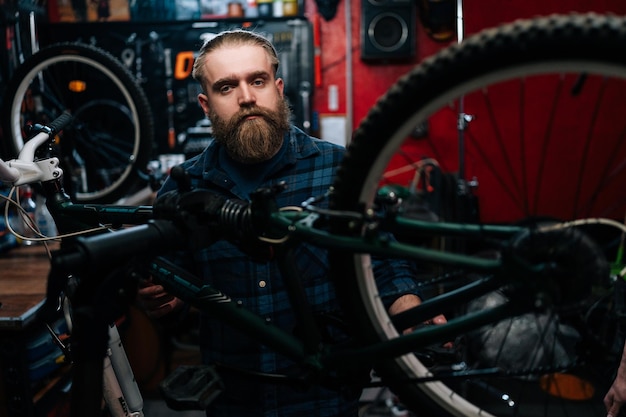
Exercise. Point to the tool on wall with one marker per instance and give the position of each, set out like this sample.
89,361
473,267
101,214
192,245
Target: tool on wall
171,131
317,50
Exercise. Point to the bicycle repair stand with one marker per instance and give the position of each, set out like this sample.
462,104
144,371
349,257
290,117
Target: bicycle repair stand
96,303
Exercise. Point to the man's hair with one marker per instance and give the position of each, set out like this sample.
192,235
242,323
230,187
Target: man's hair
232,38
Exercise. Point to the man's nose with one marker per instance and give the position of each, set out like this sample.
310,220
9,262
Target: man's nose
246,96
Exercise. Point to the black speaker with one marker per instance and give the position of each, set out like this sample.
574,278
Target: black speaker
388,29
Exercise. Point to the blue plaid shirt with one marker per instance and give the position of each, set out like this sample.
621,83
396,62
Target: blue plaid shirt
307,166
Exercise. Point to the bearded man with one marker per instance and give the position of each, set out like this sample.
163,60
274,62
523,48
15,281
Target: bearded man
256,146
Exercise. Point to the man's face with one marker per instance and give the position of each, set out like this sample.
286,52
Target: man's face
245,102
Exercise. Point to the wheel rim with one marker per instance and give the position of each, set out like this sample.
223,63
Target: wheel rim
94,69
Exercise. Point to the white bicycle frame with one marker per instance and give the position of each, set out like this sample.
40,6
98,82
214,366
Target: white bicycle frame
120,390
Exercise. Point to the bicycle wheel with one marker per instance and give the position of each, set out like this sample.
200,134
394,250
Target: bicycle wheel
109,143
545,142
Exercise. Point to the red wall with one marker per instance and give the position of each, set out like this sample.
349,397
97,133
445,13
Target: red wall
371,81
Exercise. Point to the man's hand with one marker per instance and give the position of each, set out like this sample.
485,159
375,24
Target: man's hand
616,396
155,300
408,301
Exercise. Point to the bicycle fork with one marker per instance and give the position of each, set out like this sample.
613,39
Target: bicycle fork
120,390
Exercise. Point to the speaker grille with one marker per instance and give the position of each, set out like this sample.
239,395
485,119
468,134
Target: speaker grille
388,29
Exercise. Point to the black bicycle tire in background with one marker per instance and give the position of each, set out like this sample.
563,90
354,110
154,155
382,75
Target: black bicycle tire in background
585,52
105,151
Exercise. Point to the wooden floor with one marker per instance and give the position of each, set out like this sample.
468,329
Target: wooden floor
23,277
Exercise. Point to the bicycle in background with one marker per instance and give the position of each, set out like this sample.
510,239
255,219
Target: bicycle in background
106,154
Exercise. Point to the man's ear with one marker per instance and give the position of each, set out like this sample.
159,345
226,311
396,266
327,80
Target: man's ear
204,103
280,85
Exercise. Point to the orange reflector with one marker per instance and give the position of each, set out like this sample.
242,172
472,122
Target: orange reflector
567,386
77,86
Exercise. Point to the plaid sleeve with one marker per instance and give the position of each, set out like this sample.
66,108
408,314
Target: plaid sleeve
395,278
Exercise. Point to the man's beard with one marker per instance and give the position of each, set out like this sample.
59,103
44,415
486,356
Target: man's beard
255,140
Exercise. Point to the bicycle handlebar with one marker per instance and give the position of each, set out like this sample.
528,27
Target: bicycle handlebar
24,169
60,122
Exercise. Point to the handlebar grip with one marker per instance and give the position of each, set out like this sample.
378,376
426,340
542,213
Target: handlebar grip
60,122
99,252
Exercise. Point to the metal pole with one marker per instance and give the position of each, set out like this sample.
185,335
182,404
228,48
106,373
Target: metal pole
462,117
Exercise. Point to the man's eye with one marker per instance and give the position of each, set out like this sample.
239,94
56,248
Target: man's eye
258,82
